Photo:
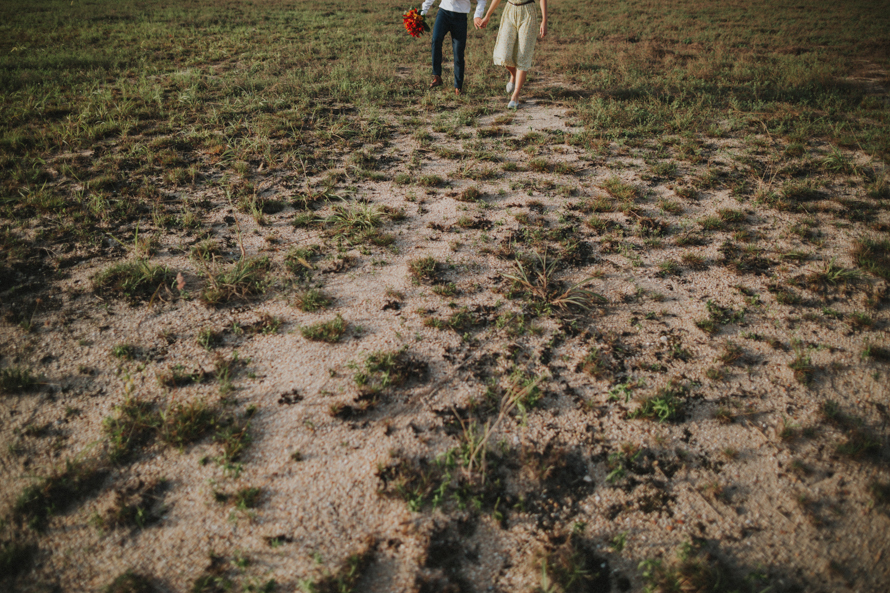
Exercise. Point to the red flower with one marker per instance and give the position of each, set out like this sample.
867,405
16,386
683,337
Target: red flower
415,24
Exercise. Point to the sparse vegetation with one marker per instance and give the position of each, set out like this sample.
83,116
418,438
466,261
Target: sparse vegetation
325,331
184,182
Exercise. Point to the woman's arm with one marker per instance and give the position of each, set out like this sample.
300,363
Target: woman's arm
543,18
494,4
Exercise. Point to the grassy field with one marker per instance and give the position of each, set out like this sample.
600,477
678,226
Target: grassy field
695,239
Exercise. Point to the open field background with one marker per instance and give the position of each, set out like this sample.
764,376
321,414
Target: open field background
274,317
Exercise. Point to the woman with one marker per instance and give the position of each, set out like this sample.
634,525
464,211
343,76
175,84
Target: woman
515,46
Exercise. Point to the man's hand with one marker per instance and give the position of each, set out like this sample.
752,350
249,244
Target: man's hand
479,23
543,29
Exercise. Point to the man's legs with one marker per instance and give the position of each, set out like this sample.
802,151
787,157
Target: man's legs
440,28
458,45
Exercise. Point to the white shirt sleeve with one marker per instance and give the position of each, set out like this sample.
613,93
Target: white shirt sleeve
480,9
427,4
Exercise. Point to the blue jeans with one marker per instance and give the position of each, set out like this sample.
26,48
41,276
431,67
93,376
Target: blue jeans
456,24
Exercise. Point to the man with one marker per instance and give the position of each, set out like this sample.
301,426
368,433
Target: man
452,18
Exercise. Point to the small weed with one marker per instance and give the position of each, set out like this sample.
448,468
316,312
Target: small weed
346,578
802,367
665,405
246,498
124,351
595,364
731,353
325,331
208,339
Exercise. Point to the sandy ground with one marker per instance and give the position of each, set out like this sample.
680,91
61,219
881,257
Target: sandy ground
788,505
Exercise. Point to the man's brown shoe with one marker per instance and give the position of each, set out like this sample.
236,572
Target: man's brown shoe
458,92
437,81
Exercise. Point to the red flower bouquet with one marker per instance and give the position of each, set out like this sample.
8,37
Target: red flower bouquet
415,24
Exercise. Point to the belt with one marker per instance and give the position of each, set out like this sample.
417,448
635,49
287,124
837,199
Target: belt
521,3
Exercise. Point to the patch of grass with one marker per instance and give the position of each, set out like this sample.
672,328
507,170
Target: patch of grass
382,370
240,280
430,181
133,279
730,216
830,274
325,331
425,269
355,219
133,426
802,367
470,194
184,423
568,568
620,190
668,268
694,571
311,300
17,380
873,256
694,261
299,260
539,165
670,207
717,316
536,282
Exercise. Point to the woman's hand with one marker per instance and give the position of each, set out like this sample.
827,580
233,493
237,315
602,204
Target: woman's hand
484,22
543,29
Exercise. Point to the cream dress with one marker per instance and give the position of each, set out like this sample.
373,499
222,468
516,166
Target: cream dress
515,46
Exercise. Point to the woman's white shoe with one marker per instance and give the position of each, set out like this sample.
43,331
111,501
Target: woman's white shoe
510,87
512,105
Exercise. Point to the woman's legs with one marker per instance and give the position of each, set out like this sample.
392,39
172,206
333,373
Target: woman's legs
512,72
519,77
